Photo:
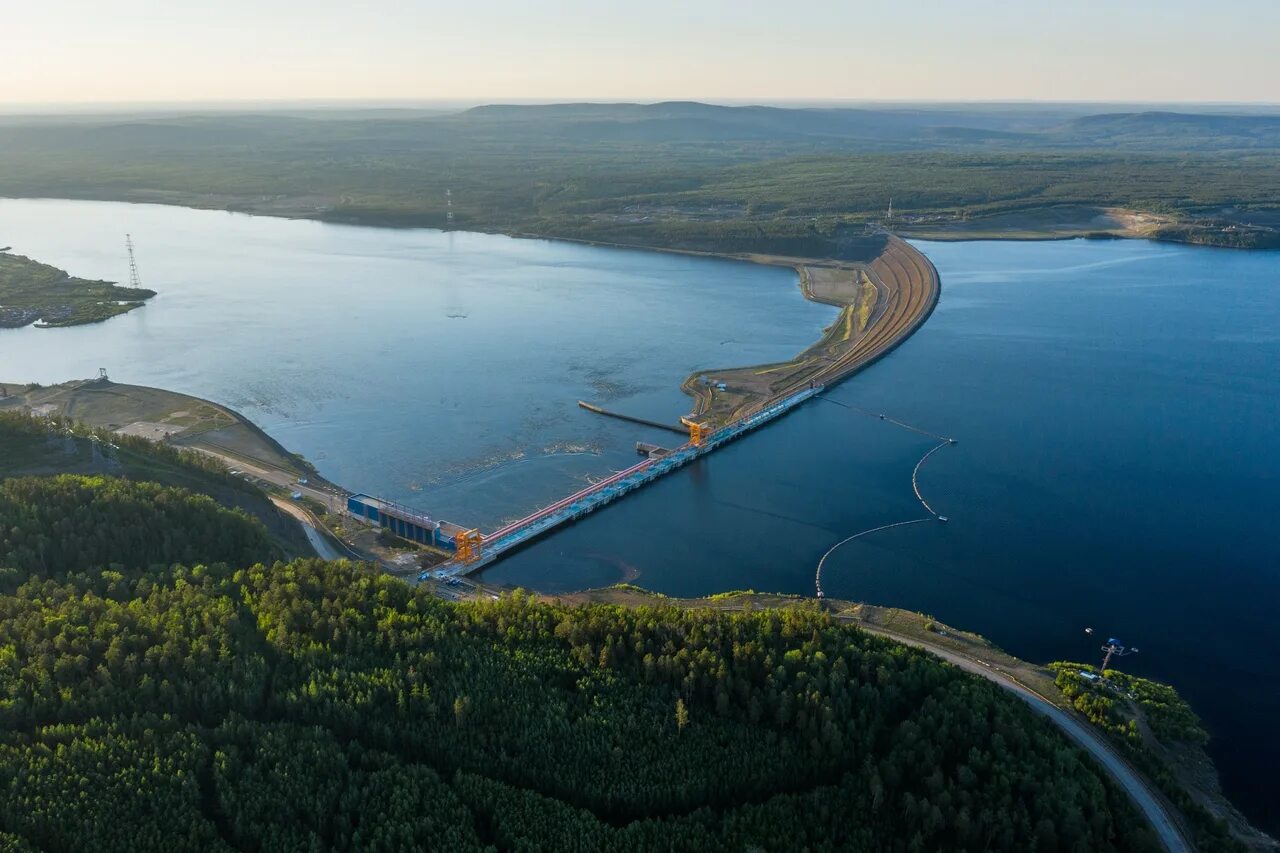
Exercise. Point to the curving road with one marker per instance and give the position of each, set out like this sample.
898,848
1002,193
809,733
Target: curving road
1148,802
322,546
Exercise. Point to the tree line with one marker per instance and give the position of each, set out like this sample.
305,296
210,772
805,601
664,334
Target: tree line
170,688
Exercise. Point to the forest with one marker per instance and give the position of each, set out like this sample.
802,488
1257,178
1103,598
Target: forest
56,445
675,175
34,292
165,684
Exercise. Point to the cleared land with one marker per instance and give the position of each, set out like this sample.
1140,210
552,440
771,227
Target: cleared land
190,423
32,292
1059,222
34,446
177,419
881,302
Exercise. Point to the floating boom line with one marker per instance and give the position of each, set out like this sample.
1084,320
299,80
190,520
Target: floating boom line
943,441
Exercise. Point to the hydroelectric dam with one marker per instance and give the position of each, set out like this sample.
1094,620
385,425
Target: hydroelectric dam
881,303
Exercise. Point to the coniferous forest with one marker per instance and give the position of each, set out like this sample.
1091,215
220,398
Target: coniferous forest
166,684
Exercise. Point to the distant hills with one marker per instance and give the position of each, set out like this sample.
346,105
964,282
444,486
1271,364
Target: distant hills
1172,130
853,128
686,174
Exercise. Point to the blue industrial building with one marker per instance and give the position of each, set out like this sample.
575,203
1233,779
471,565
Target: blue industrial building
400,520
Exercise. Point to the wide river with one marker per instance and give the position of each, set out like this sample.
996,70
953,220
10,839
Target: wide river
1118,464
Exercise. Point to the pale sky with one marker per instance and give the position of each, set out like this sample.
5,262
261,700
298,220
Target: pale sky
104,51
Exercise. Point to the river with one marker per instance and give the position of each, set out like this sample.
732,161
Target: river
439,370
1114,404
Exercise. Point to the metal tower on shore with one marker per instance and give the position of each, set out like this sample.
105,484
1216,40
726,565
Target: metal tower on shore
134,281
1114,648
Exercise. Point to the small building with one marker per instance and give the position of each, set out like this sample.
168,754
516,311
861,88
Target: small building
1088,676
400,520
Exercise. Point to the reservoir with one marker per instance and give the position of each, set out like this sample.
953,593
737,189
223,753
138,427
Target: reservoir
439,370
1115,405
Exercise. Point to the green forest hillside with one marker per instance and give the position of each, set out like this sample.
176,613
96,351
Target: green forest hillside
684,175
236,705
38,446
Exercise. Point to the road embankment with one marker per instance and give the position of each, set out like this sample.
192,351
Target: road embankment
881,303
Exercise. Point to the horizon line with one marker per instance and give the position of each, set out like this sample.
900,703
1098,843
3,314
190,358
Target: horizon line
19,108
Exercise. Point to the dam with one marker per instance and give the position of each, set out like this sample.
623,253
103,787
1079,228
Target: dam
881,303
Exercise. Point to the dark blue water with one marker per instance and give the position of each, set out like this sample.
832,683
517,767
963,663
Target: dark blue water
1117,468
441,370
1115,405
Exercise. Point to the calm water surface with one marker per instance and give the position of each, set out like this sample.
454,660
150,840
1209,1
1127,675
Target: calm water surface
1118,467
1115,405
441,370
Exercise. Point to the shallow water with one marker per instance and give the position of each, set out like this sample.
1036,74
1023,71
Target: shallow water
1115,405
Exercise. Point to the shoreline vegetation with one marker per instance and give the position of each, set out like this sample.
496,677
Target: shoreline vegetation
783,208
225,704
35,293
1146,721
796,182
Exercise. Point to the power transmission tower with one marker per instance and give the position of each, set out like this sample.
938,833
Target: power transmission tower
1114,648
134,281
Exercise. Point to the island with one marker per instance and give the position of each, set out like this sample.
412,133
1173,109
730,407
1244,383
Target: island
40,294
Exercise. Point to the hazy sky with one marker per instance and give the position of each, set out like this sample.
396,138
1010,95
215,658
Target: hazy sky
184,50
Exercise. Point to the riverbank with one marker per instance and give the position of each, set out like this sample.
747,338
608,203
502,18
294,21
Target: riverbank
882,302
36,293
1035,683
103,401
250,456
34,445
1017,362
179,419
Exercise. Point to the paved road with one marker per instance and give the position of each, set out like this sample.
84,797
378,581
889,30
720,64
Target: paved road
1143,797
323,547
276,476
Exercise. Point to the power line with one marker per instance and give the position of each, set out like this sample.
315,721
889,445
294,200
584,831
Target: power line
134,281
